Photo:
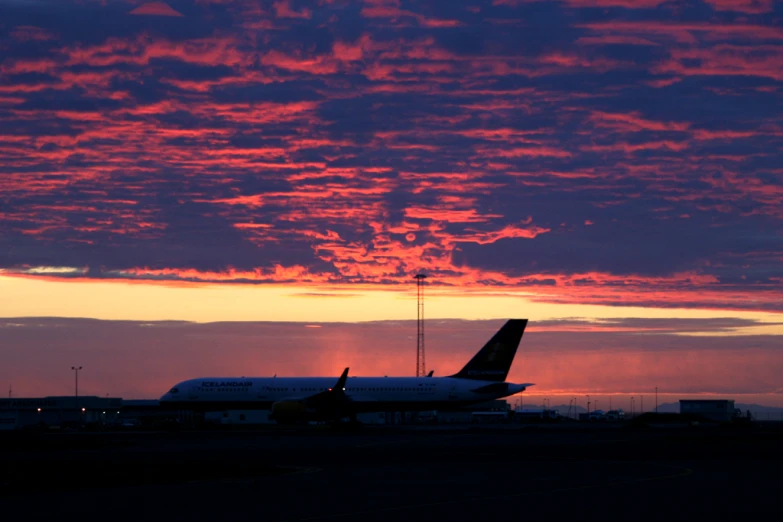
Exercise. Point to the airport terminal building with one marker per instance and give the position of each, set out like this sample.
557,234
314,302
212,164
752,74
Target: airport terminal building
716,410
70,411
58,411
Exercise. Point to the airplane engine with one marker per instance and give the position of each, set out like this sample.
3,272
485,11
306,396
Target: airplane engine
289,412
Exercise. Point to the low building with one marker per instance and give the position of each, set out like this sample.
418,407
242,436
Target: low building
8,420
534,415
717,410
239,417
490,411
59,411
147,413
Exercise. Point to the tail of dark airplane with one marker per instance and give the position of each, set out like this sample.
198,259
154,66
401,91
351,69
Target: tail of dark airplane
494,360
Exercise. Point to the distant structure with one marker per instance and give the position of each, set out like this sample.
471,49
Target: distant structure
421,370
717,410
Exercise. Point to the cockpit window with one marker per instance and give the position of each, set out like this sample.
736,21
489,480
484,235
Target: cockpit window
174,390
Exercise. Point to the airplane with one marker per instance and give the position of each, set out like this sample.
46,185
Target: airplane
300,399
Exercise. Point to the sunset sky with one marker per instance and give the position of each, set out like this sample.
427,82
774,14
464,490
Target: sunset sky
609,169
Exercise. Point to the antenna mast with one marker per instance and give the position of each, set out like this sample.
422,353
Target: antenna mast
420,366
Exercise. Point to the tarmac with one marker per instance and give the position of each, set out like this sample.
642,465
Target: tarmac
395,473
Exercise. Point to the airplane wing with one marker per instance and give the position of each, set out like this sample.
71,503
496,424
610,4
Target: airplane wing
328,404
335,393
500,387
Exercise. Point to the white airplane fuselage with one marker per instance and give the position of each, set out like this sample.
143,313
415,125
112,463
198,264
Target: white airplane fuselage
363,394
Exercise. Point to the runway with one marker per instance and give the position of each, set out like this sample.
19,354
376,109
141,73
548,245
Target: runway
393,474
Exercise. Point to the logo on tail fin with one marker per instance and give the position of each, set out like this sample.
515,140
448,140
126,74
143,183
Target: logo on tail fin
493,361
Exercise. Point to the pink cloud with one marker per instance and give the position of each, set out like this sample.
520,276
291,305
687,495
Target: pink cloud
615,40
155,9
390,9
629,4
725,60
29,33
744,6
283,9
686,33
633,122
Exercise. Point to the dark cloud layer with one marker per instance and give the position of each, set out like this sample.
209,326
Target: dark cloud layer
603,151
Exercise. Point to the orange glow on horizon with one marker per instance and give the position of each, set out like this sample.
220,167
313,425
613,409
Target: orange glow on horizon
129,299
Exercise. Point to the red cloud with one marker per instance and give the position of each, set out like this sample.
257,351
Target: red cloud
628,4
283,10
28,33
633,122
390,9
391,261
630,148
726,60
449,215
155,9
314,65
744,6
615,40
350,52
687,33
507,232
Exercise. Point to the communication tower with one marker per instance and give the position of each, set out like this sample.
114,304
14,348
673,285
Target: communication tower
420,366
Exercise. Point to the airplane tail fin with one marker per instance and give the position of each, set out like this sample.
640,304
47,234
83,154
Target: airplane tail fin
493,361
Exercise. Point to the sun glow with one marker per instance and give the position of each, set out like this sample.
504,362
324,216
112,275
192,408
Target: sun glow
196,302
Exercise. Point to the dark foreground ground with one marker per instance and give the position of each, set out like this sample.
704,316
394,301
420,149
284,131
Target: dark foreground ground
408,474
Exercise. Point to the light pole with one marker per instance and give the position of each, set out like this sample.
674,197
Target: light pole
631,407
656,399
588,407
76,386
641,406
